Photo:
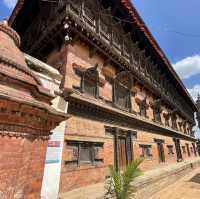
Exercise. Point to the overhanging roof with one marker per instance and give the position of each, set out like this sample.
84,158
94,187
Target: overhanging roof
137,20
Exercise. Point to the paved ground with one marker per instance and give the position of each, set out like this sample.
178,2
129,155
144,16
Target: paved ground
187,187
91,192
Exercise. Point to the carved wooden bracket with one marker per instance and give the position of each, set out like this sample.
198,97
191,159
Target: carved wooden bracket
180,124
157,105
80,70
166,115
142,102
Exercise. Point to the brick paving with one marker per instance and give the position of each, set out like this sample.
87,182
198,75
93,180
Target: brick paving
187,187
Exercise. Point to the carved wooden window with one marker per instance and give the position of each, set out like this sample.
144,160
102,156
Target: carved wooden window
105,28
174,121
142,57
146,151
89,13
134,58
89,82
86,153
170,149
122,96
143,111
180,125
167,117
122,91
75,6
126,48
147,66
116,39
83,153
157,114
143,106
184,128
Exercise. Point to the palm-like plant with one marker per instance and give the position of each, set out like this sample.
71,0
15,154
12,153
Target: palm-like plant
120,182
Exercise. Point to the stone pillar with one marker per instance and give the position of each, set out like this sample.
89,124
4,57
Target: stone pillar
26,119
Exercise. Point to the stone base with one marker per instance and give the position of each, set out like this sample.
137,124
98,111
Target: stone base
147,185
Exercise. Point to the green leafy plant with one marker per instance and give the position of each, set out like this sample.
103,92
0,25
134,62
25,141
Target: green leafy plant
119,186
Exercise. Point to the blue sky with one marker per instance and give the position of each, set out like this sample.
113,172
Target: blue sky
176,27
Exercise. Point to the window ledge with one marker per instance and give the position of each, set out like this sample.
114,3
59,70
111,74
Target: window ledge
84,167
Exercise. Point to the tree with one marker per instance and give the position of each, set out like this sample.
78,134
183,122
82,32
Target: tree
119,185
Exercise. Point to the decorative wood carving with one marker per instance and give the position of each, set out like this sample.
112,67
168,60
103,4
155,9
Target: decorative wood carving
141,100
93,111
157,110
122,90
167,115
91,25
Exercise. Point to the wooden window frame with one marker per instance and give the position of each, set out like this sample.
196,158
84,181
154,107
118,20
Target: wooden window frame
77,9
145,148
122,86
157,115
161,154
143,110
174,121
116,39
90,72
105,22
178,149
128,96
170,149
77,162
89,7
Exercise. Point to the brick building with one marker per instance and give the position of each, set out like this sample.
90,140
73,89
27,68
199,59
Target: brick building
125,99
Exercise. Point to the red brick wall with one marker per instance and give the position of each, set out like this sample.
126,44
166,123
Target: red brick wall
88,130
81,177
21,167
83,129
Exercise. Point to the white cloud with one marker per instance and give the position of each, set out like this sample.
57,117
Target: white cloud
194,91
10,3
188,66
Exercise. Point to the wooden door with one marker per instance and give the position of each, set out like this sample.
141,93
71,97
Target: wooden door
178,150
188,149
161,153
122,152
